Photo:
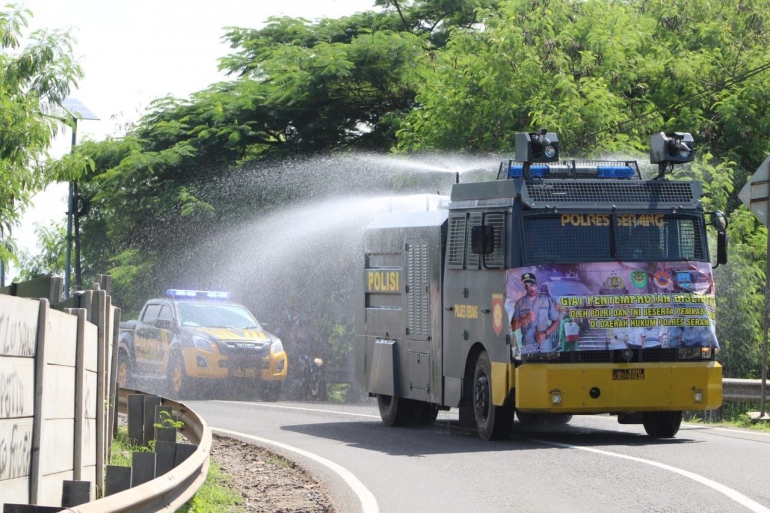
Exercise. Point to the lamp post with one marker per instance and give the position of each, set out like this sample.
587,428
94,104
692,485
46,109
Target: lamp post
77,111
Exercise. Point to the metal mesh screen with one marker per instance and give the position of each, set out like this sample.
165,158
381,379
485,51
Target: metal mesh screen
563,192
417,293
497,220
456,245
606,237
471,258
545,240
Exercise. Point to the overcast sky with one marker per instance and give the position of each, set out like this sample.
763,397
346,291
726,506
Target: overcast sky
134,51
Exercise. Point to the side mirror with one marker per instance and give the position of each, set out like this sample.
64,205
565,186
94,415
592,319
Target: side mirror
164,324
721,248
719,221
483,239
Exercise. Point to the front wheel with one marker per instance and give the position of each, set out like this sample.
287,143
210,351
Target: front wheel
177,377
492,422
125,380
662,424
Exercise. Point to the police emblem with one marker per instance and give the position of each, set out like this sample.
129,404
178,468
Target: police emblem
497,313
662,279
639,279
614,282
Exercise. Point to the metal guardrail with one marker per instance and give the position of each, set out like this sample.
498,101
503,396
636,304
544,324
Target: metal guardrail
174,488
742,389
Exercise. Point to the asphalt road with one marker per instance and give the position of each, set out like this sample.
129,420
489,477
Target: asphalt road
591,465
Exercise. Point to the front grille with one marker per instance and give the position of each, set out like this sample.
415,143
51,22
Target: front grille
655,354
246,350
621,193
242,363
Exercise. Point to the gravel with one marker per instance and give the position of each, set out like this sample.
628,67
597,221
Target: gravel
269,482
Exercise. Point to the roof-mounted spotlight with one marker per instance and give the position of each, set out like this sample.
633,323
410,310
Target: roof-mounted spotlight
536,147
669,149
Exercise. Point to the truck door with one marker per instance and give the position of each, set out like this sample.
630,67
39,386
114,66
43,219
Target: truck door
143,335
153,336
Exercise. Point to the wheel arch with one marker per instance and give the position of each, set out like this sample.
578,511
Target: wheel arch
499,385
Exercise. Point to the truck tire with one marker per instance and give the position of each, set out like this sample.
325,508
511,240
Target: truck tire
395,411
426,414
125,369
177,377
492,422
662,424
543,418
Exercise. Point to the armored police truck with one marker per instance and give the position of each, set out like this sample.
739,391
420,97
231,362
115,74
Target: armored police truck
563,287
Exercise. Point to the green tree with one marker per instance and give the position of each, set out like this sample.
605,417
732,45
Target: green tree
34,80
51,241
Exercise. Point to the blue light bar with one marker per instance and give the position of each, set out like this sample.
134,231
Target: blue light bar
617,171
541,171
202,294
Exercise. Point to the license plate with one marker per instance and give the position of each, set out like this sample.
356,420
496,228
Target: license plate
245,373
627,374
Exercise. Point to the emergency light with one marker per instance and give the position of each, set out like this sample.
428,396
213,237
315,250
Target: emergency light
197,294
573,169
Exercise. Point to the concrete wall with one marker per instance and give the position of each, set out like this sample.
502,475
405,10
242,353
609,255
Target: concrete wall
56,395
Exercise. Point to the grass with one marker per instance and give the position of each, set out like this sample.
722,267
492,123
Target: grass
730,414
122,448
214,496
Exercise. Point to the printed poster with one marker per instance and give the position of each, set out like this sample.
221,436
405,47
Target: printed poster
611,305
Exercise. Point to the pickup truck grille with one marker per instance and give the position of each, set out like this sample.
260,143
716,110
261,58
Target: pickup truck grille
245,350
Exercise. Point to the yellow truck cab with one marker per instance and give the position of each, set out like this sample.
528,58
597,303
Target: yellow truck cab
192,338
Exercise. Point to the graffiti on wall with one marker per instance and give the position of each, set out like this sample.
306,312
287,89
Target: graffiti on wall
17,336
15,449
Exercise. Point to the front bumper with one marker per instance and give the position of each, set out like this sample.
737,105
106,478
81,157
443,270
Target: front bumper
206,365
613,388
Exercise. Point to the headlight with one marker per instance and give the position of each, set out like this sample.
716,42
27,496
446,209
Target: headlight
277,346
318,362
204,344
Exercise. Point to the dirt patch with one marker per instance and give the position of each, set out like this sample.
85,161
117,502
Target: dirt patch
269,482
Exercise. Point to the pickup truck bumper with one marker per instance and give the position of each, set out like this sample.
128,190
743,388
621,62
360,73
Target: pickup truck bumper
210,365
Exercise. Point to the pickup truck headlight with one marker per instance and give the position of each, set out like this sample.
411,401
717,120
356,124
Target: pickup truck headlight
277,346
203,344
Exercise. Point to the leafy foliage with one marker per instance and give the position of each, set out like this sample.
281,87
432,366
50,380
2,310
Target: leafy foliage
34,80
423,76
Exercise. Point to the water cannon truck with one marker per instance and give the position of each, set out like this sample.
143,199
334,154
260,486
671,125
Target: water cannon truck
561,288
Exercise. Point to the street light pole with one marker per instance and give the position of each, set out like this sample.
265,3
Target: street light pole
70,214
78,111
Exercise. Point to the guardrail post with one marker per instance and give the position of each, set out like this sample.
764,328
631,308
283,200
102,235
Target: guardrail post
75,493
27,508
143,464
118,479
166,458
184,451
150,402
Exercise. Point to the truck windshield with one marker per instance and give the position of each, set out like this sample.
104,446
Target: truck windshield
602,237
212,315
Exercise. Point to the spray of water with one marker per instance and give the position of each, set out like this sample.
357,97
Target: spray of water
290,240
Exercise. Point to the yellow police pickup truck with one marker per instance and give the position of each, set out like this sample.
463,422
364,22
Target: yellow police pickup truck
193,338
